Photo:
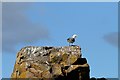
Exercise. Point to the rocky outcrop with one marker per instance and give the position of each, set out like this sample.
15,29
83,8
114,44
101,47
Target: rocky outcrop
51,63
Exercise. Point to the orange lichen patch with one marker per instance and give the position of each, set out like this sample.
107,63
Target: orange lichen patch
26,74
13,75
65,57
46,74
23,67
71,59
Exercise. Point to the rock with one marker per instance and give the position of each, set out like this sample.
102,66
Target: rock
51,63
56,69
26,74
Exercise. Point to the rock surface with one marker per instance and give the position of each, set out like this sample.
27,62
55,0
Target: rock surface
51,63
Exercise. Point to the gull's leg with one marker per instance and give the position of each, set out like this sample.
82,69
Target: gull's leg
73,44
70,44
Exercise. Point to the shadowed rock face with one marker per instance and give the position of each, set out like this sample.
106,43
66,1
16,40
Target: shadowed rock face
51,63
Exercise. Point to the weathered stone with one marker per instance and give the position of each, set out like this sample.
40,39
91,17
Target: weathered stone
50,63
26,74
56,69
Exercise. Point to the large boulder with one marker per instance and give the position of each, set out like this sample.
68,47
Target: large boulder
61,63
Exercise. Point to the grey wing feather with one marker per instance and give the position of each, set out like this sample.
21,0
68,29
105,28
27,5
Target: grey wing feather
71,40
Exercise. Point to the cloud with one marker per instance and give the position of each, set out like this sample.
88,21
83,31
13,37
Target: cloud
112,38
17,28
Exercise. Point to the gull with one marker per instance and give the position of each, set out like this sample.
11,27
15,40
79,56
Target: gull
71,39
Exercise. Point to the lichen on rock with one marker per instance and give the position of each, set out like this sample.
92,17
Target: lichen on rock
51,63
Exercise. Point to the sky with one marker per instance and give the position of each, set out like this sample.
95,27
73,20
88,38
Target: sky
50,24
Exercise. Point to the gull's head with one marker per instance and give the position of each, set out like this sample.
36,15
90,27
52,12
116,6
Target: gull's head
74,36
